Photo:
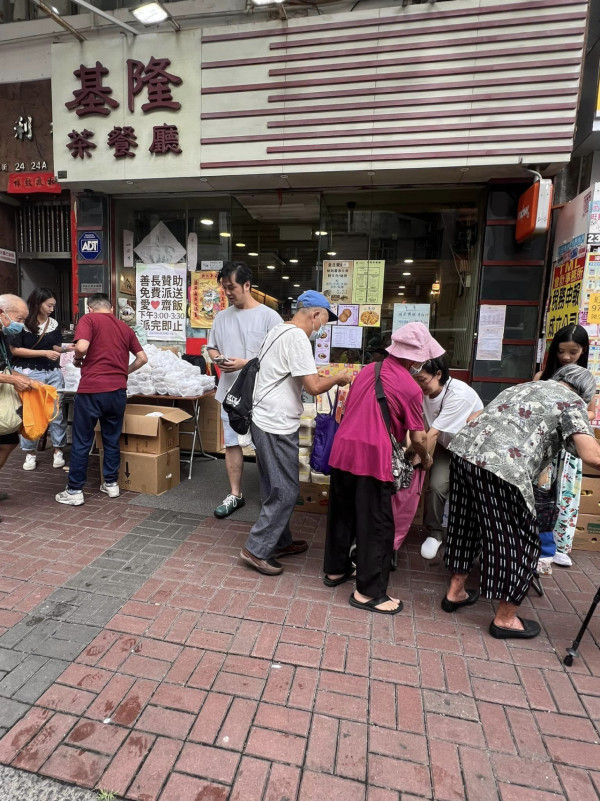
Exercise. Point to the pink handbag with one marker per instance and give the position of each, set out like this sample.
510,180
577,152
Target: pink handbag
404,506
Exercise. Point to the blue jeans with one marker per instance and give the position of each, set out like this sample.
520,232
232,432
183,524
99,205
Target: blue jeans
108,408
58,427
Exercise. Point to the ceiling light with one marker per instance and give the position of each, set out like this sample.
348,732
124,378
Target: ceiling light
254,286
152,14
270,266
285,277
320,233
296,285
292,261
240,244
402,286
400,293
402,273
206,221
331,253
266,2
253,254
435,287
408,261
290,298
225,234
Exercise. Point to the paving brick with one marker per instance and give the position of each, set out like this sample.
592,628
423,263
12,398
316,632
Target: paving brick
120,772
75,765
149,781
66,699
276,746
333,788
167,722
234,731
526,734
304,688
536,689
577,784
563,693
513,793
234,684
250,780
283,783
455,706
351,760
110,697
35,753
184,666
478,776
399,775
495,726
266,642
446,772
278,684
133,702
409,705
84,677
334,653
499,693
96,736
537,774
572,752
403,745
187,788
322,744
342,706
22,732
462,732
431,669
145,668
208,763
185,699
207,670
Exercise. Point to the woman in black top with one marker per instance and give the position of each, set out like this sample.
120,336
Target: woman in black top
36,353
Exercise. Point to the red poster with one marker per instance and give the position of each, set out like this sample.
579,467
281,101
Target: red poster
29,183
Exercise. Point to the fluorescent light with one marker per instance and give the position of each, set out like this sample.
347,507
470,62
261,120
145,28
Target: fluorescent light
409,261
320,233
285,277
296,285
402,286
253,254
240,244
331,253
405,273
401,293
290,298
254,286
292,261
225,234
206,221
270,266
150,13
266,2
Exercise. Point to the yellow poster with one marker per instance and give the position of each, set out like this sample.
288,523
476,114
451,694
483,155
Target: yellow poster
369,315
565,294
368,282
337,280
207,298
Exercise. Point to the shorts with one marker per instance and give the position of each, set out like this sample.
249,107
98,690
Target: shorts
230,438
10,439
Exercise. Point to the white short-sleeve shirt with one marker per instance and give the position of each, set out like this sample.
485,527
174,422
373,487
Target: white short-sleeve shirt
448,411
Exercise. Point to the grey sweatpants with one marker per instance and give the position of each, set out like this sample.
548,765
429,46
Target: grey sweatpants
277,458
437,493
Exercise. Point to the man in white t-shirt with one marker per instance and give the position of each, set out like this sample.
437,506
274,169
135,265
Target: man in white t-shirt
286,367
235,338
447,403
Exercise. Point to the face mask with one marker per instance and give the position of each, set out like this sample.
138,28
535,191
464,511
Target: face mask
13,327
314,335
414,370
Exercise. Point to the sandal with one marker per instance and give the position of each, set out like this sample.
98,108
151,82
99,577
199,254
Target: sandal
374,603
350,574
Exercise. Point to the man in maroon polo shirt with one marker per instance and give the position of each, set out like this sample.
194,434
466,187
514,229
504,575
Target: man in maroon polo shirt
102,349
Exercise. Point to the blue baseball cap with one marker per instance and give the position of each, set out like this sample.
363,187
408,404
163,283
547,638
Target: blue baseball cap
313,298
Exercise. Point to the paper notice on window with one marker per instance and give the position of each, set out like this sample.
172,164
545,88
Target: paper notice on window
344,336
491,333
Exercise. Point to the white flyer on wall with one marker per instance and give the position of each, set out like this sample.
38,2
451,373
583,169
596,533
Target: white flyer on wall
490,333
410,313
161,304
346,336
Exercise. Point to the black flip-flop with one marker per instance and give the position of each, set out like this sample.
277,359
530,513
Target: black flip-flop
531,628
452,606
350,574
372,605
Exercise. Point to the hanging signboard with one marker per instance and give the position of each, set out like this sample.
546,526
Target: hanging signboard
533,210
161,304
207,298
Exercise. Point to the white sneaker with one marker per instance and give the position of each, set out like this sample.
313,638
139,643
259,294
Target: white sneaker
30,462
58,460
112,490
70,498
562,559
430,548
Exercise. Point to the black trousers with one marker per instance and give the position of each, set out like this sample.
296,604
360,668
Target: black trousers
360,509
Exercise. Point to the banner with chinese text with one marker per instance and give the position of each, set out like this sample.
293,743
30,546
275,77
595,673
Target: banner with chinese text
207,298
161,304
565,294
368,282
337,280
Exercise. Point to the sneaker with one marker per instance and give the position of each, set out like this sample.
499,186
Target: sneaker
562,559
111,489
58,460
229,505
430,548
70,497
30,462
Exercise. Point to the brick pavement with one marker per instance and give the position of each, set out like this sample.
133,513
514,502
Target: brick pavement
138,655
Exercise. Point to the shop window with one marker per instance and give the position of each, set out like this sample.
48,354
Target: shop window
489,390
521,322
500,245
517,362
511,283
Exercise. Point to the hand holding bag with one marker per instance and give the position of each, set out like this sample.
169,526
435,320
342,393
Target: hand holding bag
325,428
10,403
402,469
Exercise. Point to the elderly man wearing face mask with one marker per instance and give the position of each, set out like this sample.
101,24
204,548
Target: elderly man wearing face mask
13,313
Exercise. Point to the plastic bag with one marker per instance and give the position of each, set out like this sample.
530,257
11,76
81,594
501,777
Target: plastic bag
40,407
10,404
325,428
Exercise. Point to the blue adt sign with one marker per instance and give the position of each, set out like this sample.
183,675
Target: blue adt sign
89,245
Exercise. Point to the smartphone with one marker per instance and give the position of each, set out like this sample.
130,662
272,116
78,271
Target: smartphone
221,360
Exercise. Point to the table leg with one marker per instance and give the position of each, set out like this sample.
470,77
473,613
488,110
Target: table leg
197,437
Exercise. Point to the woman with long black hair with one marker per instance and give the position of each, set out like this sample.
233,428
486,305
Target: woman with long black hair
36,353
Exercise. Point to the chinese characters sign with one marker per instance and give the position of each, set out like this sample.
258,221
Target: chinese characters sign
368,281
410,313
337,280
28,183
161,304
207,298
565,292
123,109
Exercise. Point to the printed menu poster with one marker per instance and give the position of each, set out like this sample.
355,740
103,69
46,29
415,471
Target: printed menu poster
347,314
344,336
161,303
323,347
207,298
342,392
368,281
410,313
370,315
337,280
491,333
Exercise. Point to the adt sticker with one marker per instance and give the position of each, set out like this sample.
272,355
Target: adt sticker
89,245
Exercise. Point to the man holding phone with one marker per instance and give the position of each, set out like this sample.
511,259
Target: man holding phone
235,338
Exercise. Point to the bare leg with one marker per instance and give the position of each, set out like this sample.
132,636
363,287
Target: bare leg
234,463
386,606
506,616
456,590
5,451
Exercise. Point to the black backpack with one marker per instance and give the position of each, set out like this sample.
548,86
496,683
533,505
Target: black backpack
238,402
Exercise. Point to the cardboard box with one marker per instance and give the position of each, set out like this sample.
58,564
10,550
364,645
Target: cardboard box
151,435
587,533
313,498
150,474
209,423
589,503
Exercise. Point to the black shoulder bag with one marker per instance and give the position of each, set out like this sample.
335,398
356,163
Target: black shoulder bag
402,469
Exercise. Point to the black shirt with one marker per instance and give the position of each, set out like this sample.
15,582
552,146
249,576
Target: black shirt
28,340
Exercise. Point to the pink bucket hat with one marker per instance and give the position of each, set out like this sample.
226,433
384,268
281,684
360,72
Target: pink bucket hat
414,342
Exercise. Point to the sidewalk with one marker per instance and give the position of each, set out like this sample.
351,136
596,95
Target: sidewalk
138,655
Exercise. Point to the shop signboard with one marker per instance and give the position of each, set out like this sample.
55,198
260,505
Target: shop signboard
207,298
161,304
337,280
33,183
565,293
533,210
368,281
89,246
8,256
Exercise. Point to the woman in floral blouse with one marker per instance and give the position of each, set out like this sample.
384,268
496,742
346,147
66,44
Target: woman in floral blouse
496,459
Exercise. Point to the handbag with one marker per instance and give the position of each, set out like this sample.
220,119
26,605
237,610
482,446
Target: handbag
325,428
10,403
402,469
